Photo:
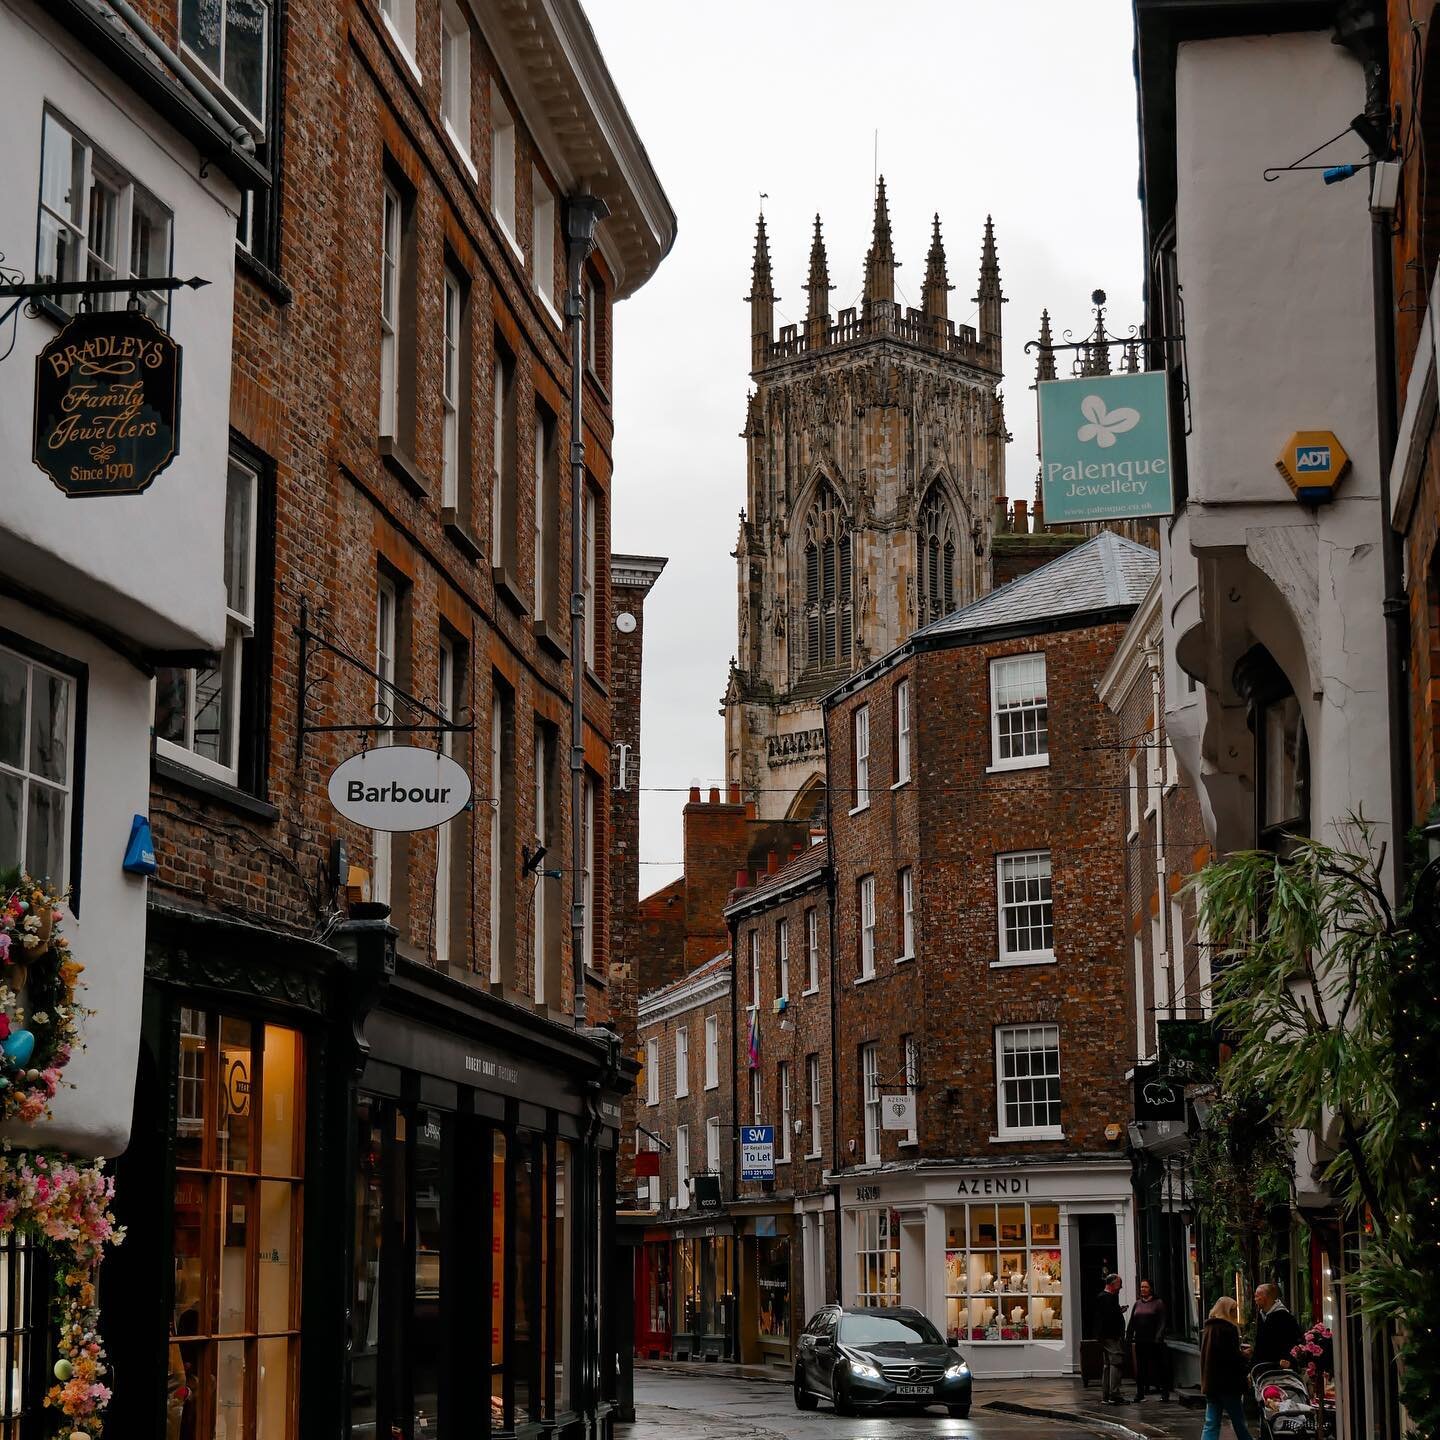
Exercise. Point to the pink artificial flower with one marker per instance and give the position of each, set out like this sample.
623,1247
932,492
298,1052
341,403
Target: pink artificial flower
5,948
4,1026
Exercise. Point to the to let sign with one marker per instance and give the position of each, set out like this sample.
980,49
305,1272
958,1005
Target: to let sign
757,1152
1105,448
107,404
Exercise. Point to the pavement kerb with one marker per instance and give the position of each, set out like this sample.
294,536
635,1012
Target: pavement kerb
1076,1417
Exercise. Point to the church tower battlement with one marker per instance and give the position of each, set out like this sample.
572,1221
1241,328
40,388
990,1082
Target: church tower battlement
875,452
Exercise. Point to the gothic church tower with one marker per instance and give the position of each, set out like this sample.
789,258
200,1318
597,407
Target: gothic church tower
875,448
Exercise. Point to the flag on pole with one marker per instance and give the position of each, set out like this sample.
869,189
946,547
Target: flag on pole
753,1044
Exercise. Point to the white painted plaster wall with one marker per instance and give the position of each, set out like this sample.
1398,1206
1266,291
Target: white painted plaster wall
149,565
108,936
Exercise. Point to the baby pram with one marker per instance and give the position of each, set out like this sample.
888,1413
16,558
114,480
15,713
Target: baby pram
1285,1408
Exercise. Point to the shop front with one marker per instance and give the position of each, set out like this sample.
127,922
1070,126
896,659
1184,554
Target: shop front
769,1256
391,1144
1007,1261
653,1295
704,1273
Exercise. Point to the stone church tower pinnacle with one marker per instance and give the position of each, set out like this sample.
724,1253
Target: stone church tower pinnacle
875,453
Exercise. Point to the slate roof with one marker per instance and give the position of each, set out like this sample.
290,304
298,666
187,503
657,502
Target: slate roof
1103,573
812,858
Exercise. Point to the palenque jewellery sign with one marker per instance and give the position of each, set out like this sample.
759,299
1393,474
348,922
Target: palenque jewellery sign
399,788
107,403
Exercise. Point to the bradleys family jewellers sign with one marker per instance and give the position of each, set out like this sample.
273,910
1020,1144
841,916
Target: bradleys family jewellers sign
107,403
398,788
1105,448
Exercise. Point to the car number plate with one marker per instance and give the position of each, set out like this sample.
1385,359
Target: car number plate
915,1389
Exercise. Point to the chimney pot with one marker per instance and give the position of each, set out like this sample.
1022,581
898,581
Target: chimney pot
694,794
742,879
772,862
733,793
1022,521
750,810
714,794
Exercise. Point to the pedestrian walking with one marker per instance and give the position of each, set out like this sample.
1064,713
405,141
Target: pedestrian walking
1223,1363
1146,1334
1277,1331
1110,1332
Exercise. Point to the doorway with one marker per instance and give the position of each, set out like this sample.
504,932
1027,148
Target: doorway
1098,1254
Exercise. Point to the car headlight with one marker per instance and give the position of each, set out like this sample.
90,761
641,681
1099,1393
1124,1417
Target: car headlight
955,1371
868,1372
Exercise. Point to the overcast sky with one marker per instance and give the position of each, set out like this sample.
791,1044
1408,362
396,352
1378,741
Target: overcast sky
1025,111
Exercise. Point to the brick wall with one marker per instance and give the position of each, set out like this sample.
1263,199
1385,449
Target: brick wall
306,398
950,824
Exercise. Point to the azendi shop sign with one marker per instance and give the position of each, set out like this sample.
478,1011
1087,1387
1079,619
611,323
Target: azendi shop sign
107,404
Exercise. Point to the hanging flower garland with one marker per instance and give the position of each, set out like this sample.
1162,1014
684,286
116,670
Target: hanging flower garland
58,1203
38,1011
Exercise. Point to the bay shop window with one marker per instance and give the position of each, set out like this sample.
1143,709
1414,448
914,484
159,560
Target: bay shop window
1004,1279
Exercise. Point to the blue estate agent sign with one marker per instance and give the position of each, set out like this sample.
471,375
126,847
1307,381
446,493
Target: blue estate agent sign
1105,448
757,1152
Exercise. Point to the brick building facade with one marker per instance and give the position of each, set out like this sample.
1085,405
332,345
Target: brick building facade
982,971
394,1016
785,1228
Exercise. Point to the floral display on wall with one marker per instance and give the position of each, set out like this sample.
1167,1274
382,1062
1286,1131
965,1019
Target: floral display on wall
50,1199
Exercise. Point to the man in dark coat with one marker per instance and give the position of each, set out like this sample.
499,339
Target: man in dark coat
1277,1331
1110,1332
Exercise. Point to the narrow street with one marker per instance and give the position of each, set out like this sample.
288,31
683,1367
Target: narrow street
673,1406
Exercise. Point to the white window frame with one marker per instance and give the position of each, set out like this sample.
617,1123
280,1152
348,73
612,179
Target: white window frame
866,895
592,324
399,18
1161,998
1154,769
682,1062
455,78
502,383
115,258
1133,776
870,1100
902,734
445,677
1016,674
712,1052
1006,1131
502,168
652,1182
910,1048
860,740
755,968
652,1072
682,1167
215,77
1006,867
539,587
29,779
812,1081
907,914
712,1144
877,1259
537,899
782,959
387,612
450,391
1142,1038
1178,968
243,493
542,243
590,507
782,1120
588,934
812,951
497,781
391,220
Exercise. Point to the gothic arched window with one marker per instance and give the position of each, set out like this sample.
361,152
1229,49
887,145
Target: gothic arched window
935,551
827,584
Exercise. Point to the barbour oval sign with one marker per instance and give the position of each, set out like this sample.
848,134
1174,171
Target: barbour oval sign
107,403
399,788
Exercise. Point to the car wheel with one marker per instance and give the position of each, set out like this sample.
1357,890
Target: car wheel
804,1400
960,1412
844,1405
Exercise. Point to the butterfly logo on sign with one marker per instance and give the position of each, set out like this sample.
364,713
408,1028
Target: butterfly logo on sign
1102,425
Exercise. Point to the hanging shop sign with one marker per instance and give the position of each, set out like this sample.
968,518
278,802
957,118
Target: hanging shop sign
399,788
107,404
1313,462
1188,1051
1157,1097
897,1112
707,1193
757,1152
1105,448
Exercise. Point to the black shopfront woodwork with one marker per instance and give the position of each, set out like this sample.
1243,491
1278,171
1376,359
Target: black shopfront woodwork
452,1201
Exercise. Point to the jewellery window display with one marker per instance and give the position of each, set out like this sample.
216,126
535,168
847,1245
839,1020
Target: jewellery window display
1003,1273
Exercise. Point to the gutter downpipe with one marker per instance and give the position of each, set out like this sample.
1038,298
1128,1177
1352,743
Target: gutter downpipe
830,886
236,133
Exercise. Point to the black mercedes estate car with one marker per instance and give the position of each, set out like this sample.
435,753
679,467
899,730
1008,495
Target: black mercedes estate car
895,1357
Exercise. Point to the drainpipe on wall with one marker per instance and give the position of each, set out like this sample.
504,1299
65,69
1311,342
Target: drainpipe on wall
583,213
830,887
